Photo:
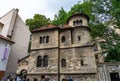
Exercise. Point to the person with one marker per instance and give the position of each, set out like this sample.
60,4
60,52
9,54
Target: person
70,79
54,79
47,78
64,79
42,77
24,79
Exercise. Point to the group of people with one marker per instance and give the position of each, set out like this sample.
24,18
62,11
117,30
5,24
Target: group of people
47,78
68,79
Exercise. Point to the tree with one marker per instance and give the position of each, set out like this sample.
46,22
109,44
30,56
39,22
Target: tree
106,15
60,18
37,21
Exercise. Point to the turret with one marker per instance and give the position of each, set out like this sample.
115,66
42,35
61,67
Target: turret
78,19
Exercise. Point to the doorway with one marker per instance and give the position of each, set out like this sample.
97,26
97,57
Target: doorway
114,77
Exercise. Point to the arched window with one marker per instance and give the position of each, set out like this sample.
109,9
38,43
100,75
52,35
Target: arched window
63,39
79,38
45,61
39,61
47,39
82,62
23,73
73,23
41,40
77,22
80,22
63,63
44,39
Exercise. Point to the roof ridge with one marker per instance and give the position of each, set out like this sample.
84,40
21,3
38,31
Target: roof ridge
9,12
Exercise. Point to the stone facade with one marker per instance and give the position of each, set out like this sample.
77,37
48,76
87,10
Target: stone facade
109,71
71,43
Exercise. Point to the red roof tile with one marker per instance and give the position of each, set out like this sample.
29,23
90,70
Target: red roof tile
66,26
50,26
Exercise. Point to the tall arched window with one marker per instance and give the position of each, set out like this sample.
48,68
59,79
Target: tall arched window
63,62
80,22
44,39
41,40
77,22
39,61
63,39
45,61
74,23
47,39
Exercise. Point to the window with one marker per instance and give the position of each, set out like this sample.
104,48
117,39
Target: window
44,39
45,61
73,23
39,61
63,39
77,22
95,47
40,40
79,38
80,22
81,62
47,39
63,63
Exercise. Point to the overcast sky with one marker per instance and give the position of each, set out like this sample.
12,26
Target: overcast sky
27,8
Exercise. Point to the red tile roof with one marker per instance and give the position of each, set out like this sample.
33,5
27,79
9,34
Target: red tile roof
50,26
5,38
66,26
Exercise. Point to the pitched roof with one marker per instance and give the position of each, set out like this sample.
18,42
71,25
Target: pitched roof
66,26
5,38
50,26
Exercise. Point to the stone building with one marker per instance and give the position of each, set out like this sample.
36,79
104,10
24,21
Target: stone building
108,71
62,52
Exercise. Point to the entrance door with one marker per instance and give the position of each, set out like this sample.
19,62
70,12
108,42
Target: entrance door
1,75
114,77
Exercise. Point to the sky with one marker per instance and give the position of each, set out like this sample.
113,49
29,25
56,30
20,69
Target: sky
27,8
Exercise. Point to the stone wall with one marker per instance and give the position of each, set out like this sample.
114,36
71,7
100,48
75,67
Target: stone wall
73,57
84,20
53,39
31,65
71,37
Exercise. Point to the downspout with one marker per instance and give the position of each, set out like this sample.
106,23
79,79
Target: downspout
58,54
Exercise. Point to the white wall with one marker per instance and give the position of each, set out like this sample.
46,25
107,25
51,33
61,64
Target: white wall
21,37
3,45
6,20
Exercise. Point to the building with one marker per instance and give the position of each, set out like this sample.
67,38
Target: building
15,29
62,52
5,46
109,71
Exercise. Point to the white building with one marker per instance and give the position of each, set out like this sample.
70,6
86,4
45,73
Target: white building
5,46
15,29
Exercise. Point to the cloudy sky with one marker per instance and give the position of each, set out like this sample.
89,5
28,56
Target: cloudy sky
27,8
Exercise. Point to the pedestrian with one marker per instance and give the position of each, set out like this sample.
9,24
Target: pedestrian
42,77
54,79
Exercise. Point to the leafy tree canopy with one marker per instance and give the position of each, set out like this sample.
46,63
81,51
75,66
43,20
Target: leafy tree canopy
37,21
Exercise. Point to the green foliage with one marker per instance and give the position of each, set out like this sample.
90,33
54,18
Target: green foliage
115,12
114,53
60,18
37,21
107,13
